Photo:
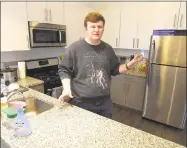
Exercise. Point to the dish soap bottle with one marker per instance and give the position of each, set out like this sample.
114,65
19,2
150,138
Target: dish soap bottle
21,125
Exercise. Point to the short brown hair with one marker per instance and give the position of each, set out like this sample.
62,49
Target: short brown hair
93,17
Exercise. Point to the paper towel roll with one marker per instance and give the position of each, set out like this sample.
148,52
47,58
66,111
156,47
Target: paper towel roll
21,70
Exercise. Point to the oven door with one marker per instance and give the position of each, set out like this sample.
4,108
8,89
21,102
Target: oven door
42,37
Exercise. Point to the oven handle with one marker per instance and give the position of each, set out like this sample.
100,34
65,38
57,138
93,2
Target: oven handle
49,92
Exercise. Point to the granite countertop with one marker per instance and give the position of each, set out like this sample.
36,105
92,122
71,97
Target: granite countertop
68,126
29,81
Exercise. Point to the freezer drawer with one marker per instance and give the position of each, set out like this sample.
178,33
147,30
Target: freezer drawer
168,50
165,99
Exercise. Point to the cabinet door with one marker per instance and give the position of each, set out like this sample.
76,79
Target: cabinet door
167,15
128,26
14,27
37,11
182,16
112,24
56,12
135,93
145,18
118,90
74,20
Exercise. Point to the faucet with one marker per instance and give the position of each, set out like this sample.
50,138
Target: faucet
13,93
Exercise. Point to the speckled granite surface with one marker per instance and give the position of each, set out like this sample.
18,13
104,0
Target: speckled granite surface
29,81
68,126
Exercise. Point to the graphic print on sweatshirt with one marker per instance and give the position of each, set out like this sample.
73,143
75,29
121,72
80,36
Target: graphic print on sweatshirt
95,69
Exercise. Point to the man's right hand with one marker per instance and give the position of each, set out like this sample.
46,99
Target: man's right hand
66,95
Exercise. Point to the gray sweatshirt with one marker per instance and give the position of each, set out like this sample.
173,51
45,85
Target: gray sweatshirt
90,68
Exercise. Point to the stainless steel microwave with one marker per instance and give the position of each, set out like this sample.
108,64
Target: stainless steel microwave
46,35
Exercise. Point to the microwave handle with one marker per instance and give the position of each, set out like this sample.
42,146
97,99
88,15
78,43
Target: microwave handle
60,37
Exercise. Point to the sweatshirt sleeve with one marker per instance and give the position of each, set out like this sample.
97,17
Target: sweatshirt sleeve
115,64
65,67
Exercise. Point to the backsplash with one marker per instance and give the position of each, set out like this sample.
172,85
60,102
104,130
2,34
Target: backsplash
11,58
35,53
128,52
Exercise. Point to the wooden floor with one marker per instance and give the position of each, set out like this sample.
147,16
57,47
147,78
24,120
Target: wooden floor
134,119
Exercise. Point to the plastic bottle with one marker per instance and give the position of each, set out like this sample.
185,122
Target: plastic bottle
142,52
139,65
21,124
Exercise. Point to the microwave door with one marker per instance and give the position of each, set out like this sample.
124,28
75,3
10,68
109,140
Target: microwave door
40,37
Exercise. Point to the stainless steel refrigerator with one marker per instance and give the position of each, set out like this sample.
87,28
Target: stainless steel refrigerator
165,97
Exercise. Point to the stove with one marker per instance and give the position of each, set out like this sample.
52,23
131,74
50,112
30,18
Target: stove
45,70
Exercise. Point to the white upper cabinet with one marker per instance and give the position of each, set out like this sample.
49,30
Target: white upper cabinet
37,11
74,20
167,15
46,12
111,13
182,16
145,24
55,12
128,26
14,27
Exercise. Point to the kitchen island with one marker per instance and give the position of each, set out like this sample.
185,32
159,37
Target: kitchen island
68,126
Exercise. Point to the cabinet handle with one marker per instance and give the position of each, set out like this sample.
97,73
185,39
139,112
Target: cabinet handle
50,19
133,42
116,42
137,42
174,20
45,14
28,43
181,21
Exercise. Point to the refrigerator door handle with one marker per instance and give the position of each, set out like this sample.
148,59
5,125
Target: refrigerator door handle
149,74
152,47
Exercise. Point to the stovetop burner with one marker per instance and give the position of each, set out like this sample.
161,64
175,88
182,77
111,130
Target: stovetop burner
47,77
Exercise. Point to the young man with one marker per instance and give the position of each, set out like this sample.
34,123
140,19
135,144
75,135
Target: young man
87,67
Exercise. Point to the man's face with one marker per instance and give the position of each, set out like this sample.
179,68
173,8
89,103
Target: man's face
95,30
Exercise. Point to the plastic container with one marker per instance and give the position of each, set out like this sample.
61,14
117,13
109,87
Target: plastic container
10,114
21,124
18,104
4,104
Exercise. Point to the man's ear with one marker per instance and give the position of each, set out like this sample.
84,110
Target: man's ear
85,28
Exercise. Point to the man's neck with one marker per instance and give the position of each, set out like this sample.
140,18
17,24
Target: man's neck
92,42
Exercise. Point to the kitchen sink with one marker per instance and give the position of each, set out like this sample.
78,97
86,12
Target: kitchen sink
36,106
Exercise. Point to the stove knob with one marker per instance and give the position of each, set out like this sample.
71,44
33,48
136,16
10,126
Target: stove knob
7,82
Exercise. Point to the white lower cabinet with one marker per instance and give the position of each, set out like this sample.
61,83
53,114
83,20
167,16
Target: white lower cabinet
135,92
117,90
128,91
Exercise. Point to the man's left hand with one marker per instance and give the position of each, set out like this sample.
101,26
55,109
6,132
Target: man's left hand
137,58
